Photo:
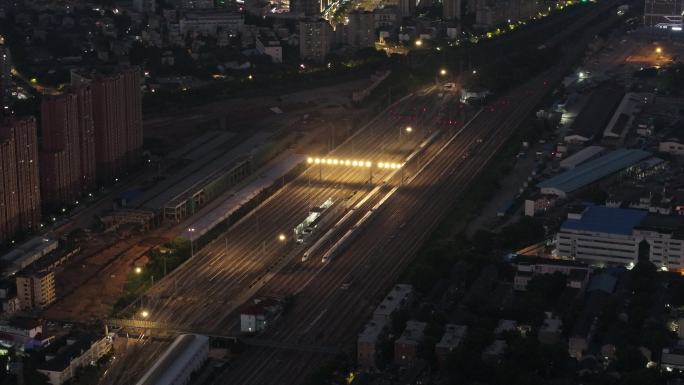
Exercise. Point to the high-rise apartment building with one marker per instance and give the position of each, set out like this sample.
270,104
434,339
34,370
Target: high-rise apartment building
315,36
361,29
145,6
19,184
308,7
407,8
67,156
117,117
451,9
5,79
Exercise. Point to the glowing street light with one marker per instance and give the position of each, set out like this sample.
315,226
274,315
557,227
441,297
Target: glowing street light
144,314
192,246
138,270
282,237
442,72
419,43
409,129
659,50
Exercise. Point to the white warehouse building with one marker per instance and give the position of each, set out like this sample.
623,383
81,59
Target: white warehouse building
613,236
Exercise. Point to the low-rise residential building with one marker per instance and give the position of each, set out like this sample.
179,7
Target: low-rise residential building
407,346
36,290
367,343
62,360
452,339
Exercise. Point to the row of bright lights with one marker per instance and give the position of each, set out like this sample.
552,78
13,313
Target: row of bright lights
352,163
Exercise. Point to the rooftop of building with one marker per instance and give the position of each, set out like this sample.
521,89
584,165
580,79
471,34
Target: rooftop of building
604,282
24,323
595,170
372,331
174,360
393,299
60,355
551,324
497,348
591,310
33,245
413,333
670,224
581,156
453,336
527,260
607,220
241,196
263,306
505,325
599,109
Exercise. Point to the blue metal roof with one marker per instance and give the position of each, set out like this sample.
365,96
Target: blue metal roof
594,170
608,220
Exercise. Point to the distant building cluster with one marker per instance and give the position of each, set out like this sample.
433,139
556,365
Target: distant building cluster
91,133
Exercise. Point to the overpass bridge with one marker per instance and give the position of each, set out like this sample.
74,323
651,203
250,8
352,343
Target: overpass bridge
170,329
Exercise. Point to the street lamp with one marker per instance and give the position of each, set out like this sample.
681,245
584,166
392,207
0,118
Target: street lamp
659,50
442,72
282,238
144,314
192,248
138,270
408,130
419,43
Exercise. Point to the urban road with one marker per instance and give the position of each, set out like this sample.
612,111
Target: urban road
333,300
